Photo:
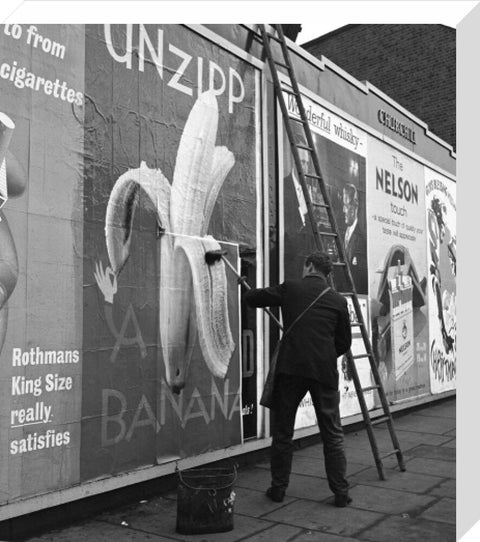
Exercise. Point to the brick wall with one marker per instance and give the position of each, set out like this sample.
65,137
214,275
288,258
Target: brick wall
414,64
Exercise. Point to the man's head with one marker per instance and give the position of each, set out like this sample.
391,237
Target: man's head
318,262
350,203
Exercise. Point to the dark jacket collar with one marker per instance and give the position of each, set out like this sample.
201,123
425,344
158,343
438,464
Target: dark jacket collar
315,276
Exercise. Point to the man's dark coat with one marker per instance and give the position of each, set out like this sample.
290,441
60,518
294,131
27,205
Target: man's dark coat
319,337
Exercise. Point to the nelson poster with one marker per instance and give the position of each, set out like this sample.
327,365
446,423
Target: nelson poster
398,270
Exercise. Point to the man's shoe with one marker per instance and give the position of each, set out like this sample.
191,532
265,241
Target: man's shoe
341,501
275,494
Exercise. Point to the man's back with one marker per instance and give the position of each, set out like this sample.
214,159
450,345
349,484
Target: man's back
321,335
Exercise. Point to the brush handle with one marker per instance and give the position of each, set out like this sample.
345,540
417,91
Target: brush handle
247,286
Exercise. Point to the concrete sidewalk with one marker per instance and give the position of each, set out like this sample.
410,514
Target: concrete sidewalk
409,506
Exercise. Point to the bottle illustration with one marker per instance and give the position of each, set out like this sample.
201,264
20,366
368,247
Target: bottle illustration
401,316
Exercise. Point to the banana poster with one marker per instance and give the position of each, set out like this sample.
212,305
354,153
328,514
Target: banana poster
167,183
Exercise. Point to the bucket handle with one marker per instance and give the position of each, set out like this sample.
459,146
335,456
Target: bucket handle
179,472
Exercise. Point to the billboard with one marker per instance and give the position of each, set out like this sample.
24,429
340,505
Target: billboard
398,264
166,181
41,81
442,264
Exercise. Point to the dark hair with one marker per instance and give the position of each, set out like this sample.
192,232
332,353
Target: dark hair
351,190
320,261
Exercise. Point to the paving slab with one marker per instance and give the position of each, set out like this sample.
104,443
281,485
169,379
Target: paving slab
409,530
448,488
279,533
254,503
306,487
254,478
313,466
443,510
401,481
410,439
287,533
389,501
324,517
450,443
98,531
158,516
443,410
425,424
434,467
364,456
433,452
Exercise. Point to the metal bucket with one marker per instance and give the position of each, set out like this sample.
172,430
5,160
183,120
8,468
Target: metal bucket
205,500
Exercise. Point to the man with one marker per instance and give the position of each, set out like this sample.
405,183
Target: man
307,361
355,242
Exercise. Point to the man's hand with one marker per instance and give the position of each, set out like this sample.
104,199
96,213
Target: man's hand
107,281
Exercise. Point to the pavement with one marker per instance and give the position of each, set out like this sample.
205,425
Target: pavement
418,504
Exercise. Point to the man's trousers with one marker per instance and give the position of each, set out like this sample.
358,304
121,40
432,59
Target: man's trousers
288,393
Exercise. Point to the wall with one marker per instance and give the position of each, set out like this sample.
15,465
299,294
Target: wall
124,352
414,64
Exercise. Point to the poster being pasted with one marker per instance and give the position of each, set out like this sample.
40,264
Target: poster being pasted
167,182
41,157
442,264
398,270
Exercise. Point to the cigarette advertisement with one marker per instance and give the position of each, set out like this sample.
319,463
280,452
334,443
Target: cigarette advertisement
442,265
167,183
398,270
41,156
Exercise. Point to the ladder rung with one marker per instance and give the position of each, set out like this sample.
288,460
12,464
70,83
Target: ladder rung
351,294
295,119
306,147
338,264
382,419
276,38
323,205
361,356
389,454
370,388
328,234
282,64
313,176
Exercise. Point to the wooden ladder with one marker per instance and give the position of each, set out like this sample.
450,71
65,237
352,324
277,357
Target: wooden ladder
342,261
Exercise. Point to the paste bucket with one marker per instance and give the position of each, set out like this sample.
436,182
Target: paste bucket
205,500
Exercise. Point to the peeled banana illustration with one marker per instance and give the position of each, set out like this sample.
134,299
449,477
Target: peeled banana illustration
193,295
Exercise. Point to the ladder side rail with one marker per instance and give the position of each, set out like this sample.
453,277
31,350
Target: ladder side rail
316,164
326,197
296,157
366,415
